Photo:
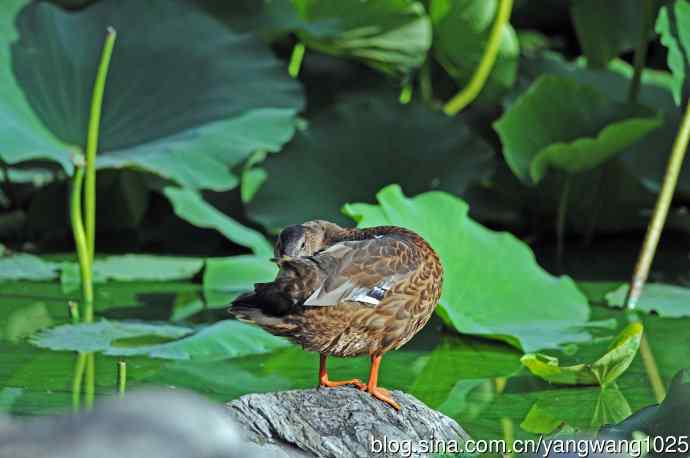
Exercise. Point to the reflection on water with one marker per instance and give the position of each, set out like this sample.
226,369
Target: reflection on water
479,382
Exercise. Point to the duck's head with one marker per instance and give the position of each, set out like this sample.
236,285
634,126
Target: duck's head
304,239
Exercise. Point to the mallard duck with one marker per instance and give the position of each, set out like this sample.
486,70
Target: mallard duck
347,292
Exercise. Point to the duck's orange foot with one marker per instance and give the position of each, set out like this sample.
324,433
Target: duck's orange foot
333,384
383,395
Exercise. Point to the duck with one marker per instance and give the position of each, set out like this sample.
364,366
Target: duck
347,292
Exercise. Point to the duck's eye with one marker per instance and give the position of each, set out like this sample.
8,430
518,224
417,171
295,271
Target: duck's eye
302,244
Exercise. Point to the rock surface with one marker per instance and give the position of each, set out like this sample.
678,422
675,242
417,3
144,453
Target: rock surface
340,422
146,424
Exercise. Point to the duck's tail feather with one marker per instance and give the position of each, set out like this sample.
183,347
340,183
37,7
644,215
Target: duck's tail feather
264,311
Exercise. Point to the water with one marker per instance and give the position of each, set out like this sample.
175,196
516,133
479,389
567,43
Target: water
479,382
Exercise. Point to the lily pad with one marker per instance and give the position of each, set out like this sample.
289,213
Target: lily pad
371,142
26,267
667,300
461,30
561,124
132,267
191,206
603,371
225,339
492,284
186,97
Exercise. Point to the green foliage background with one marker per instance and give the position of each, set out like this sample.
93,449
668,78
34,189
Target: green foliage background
209,147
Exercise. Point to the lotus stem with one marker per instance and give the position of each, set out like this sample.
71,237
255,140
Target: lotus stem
73,311
663,204
92,140
121,378
641,50
80,241
76,382
481,74
425,86
296,59
90,388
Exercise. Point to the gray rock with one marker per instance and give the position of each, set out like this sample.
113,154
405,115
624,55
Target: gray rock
342,422
146,424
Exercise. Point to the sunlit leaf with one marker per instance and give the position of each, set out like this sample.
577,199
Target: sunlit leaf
132,267
238,273
492,284
603,371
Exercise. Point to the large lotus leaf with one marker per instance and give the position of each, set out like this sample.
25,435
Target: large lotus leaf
492,284
225,339
559,123
461,30
603,371
352,150
673,25
667,300
606,29
390,35
185,97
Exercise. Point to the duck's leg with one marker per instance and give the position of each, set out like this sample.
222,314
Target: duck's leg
323,377
374,389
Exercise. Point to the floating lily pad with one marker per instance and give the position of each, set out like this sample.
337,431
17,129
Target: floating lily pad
492,284
225,339
666,300
561,124
132,267
26,267
603,371
185,98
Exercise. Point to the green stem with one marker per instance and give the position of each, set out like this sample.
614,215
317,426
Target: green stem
76,382
561,219
121,377
663,203
296,59
90,388
481,74
80,241
641,50
73,311
92,141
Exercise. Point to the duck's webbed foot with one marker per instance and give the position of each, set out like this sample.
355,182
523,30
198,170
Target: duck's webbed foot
373,388
325,382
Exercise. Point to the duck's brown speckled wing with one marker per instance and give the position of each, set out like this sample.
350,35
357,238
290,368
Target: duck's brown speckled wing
362,271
